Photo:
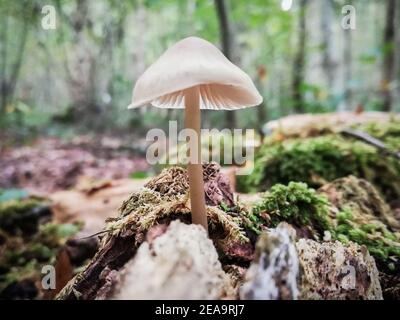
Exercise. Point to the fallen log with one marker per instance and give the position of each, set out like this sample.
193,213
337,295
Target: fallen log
306,269
163,199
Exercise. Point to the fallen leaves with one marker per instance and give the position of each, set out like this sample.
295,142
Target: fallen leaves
93,208
51,164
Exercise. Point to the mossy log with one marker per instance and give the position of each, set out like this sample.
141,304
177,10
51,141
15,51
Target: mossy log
161,200
306,269
320,159
348,209
179,263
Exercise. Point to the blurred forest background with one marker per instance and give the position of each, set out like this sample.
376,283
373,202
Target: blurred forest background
79,76
71,153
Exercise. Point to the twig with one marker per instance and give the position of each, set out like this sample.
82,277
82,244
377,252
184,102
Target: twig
361,135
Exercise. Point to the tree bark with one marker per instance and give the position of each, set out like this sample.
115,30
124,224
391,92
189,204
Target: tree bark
118,248
227,42
14,76
299,61
3,55
348,66
397,58
8,84
261,109
327,41
389,56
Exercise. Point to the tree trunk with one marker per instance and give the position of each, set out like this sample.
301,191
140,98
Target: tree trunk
82,82
397,58
14,76
261,118
299,61
389,56
227,42
327,41
261,109
9,84
3,55
347,65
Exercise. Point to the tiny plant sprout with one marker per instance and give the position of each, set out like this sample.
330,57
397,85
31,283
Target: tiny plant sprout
193,74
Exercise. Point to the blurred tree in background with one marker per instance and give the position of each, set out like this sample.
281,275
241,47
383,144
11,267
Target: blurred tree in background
81,74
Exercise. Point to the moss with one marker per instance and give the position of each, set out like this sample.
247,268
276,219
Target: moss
166,197
11,209
356,216
19,273
318,160
55,233
24,253
296,204
389,132
361,215
22,216
366,230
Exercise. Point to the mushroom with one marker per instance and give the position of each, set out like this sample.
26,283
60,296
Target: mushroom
193,74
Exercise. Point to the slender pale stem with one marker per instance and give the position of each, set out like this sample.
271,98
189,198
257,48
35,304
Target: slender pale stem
195,169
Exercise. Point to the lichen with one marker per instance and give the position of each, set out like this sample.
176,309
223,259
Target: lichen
331,270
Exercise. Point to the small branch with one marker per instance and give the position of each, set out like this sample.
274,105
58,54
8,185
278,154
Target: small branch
365,137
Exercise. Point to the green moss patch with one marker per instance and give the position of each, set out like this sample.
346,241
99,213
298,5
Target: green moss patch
318,160
349,208
296,204
28,241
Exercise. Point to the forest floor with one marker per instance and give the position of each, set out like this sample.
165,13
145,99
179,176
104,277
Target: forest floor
86,182
85,179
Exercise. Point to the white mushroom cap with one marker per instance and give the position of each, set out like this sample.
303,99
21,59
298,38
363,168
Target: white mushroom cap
195,62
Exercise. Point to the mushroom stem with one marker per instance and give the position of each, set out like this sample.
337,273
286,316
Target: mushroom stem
195,169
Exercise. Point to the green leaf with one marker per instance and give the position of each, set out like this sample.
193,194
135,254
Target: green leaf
140,175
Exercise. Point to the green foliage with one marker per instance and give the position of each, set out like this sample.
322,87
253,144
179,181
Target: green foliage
296,204
318,160
140,175
23,255
53,232
15,207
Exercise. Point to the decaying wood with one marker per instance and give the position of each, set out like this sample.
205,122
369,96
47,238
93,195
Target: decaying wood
180,263
120,246
306,269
